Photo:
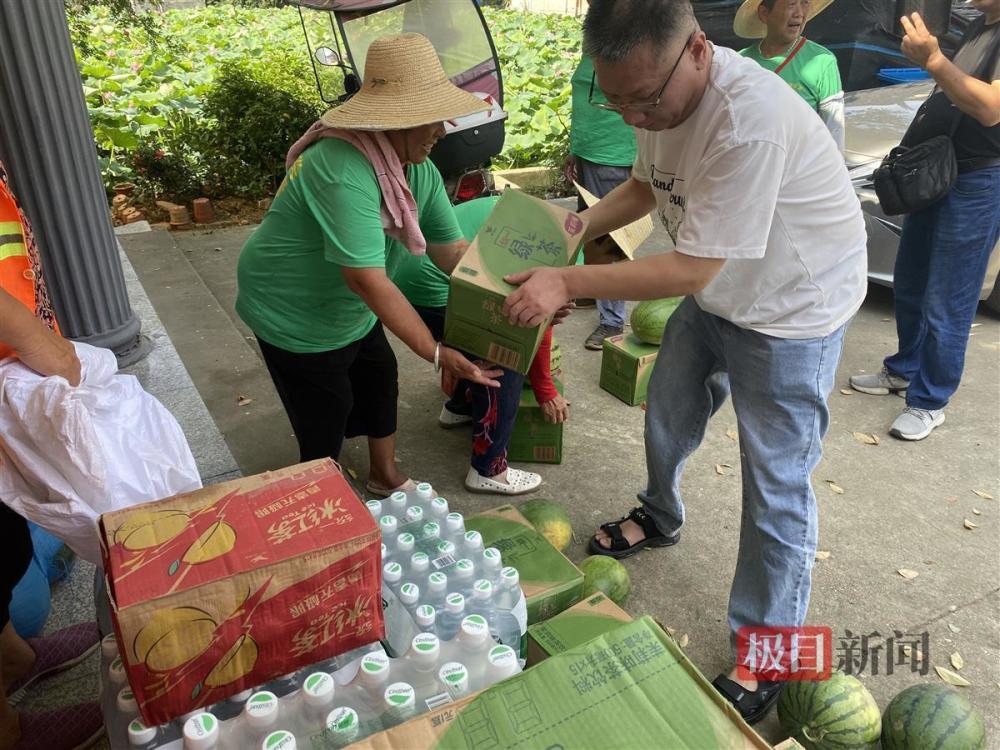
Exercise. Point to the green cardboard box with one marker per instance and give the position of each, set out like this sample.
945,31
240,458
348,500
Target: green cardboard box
631,687
626,364
582,622
534,440
551,583
521,232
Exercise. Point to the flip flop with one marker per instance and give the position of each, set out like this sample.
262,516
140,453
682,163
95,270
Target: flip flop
753,705
620,548
376,490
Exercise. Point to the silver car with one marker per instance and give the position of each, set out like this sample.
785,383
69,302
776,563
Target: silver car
876,120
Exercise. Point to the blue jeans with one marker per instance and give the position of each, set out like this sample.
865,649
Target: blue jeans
940,267
493,410
601,179
612,312
779,389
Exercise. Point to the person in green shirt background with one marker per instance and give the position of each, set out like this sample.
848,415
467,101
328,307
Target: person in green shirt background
601,154
314,278
809,68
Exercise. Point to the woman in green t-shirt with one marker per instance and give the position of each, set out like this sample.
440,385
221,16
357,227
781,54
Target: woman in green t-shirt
314,279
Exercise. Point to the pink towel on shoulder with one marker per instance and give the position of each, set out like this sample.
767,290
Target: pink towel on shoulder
399,209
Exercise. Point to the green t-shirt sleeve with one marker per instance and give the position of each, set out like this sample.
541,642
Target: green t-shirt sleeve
828,82
437,217
339,188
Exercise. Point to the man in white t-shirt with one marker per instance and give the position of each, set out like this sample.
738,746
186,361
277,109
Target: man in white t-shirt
770,246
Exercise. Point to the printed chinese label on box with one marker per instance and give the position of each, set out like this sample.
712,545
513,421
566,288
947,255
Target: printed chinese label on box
626,365
631,687
550,582
533,439
220,590
582,622
521,232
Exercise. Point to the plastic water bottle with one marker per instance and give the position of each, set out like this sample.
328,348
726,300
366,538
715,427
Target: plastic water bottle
426,616
455,679
454,611
501,663
409,596
463,575
260,718
473,544
420,564
342,726
375,508
425,653
510,589
392,575
397,504
425,493
404,544
399,704
491,565
373,676
388,525
145,738
201,732
482,599
454,524
439,508
280,740
432,531
437,589
413,514
316,701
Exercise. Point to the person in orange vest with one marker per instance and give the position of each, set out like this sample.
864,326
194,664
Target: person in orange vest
29,332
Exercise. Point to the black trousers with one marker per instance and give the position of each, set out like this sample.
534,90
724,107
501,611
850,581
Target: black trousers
15,557
337,394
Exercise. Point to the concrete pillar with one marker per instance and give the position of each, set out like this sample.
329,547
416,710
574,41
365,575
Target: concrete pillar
48,147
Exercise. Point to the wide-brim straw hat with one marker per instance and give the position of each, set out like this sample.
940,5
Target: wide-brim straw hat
628,237
405,87
749,26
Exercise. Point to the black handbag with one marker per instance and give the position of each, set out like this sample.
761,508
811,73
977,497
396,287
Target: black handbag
911,178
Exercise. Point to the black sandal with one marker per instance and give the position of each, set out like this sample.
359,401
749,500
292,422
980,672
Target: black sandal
752,705
620,548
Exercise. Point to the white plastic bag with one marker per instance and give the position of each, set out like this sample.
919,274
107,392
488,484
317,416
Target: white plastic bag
68,454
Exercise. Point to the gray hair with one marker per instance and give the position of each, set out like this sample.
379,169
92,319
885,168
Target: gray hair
613,29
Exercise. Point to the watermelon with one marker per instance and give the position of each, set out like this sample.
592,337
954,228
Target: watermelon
649,318
833,714
932,716
607,575
549,520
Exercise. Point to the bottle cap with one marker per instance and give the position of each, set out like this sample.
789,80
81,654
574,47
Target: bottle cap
425,491
387,524
465,568
473,540
445,548
405,542
392,572
455,678
491,559
109,646
482,590
455,603
318,689
474,630
139,733
397,502
261,710
127,703
201,732
426,649
503,662
425,615
510,577
409,594
374,507
374,669
419,562
439,506
280,740
116,672
400,695
342,722
432,530
414,514
437,582
454,522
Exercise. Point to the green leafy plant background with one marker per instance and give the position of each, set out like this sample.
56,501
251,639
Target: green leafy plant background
207,101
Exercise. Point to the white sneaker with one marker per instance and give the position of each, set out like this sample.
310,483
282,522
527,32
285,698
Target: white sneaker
450,420
881,383
916,424
518,482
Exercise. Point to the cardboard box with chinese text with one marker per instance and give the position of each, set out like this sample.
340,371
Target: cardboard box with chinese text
626,364
222,589
533,439
521,232
582,622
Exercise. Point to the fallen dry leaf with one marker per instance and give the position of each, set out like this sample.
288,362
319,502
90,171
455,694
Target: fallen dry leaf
846,392
908,650
683,642
954,628
951,678
976,512
822,554
732,435
907,573
970,525
352,472
672,631
983,495
834,487
720,469
864,437
243,400
957,661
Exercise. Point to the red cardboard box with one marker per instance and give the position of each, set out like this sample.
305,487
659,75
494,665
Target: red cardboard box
223,589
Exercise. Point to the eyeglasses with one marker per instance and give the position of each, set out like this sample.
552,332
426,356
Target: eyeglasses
638,106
